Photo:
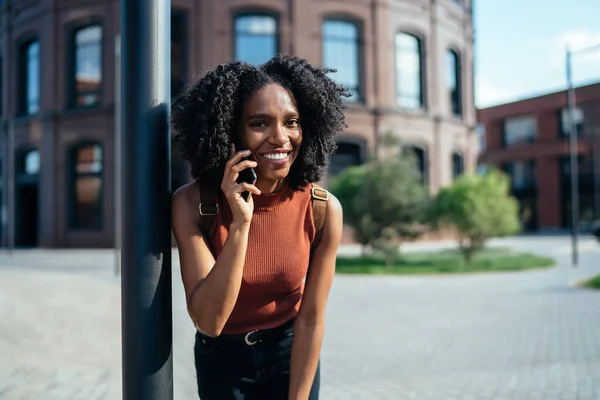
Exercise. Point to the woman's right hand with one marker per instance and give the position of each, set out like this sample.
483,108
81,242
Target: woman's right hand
241,209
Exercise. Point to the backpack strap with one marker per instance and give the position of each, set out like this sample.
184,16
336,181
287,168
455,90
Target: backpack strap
208,207
319,204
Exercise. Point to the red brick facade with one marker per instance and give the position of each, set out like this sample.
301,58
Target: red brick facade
549,150
49,138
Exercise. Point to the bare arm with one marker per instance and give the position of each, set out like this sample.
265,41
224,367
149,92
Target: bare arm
212,286
309,325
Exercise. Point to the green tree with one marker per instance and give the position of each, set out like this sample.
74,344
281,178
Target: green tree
478,207
384,202
346,187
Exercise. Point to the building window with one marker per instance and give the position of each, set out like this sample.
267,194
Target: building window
179,51
480,129
482,169
586,118
519,130
522,174
454,82
342,52
86,67
421,162
256,38
587,188
86,187
578,120
457,165
29,163
348,154
409,71
523,188
30,78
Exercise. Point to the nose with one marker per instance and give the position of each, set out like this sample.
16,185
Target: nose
279,135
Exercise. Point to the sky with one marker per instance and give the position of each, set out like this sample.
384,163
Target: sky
520,47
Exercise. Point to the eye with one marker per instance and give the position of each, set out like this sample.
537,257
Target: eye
257,124
293,122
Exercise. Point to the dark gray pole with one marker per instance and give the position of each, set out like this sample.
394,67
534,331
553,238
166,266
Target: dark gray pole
11,187
147,332
118,154
596,171
574,166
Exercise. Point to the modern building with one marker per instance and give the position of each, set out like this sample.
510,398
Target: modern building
408,63
529,139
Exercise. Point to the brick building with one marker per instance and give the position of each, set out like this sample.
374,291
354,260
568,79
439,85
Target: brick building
529,139
409,64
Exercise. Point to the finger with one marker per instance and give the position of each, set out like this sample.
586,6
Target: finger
243,165
231,150
244,186
227,173
237,157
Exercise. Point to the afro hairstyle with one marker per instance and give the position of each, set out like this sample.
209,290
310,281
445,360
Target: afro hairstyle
206,116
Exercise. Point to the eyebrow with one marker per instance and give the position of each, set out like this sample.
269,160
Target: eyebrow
259,116
269,116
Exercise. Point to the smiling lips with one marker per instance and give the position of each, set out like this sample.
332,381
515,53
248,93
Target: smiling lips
275,156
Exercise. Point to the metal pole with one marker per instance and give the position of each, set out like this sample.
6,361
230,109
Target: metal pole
596,172
118,155
146,313
10,181
595,176
574,170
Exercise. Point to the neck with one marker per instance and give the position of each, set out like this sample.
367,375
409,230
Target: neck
268,187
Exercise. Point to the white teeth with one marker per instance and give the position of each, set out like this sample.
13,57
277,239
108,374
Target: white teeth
275,156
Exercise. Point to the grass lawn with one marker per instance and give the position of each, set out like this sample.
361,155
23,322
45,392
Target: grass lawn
446,261
593,283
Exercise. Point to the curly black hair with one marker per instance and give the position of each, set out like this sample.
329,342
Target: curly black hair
206,116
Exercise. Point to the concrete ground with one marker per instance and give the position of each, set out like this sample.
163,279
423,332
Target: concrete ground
524,335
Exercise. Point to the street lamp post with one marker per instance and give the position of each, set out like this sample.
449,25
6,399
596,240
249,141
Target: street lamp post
146,313
573,151
573,161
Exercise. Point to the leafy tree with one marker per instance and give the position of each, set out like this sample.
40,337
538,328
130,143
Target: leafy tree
346,187
384,202
478,207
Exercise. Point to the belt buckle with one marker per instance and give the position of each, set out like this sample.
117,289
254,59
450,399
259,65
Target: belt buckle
247,339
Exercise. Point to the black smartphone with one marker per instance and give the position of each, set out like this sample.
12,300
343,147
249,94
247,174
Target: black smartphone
248,175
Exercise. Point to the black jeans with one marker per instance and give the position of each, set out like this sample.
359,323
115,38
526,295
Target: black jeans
255,366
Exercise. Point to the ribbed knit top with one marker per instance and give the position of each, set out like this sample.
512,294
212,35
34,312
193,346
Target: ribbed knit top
277,258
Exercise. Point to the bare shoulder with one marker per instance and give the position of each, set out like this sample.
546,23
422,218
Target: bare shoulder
334,214
189,192
334,208
186,199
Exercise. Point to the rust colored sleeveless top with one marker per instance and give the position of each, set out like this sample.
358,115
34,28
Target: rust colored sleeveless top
277,258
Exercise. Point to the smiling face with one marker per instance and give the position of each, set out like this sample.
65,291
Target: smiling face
270,129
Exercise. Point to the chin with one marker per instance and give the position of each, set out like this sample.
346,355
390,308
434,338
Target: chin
277,176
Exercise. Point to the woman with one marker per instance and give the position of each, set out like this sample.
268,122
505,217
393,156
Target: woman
259,325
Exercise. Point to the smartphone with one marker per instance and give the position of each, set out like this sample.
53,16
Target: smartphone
248,175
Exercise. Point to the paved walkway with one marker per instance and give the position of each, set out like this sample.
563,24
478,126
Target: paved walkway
525,336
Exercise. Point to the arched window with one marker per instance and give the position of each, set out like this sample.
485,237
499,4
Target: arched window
348,154
86,165
256,38
454,82
341,51
28,163
457,165
86,79
30,78
420,155
409,71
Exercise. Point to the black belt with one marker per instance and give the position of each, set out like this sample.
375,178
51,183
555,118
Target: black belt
253,337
